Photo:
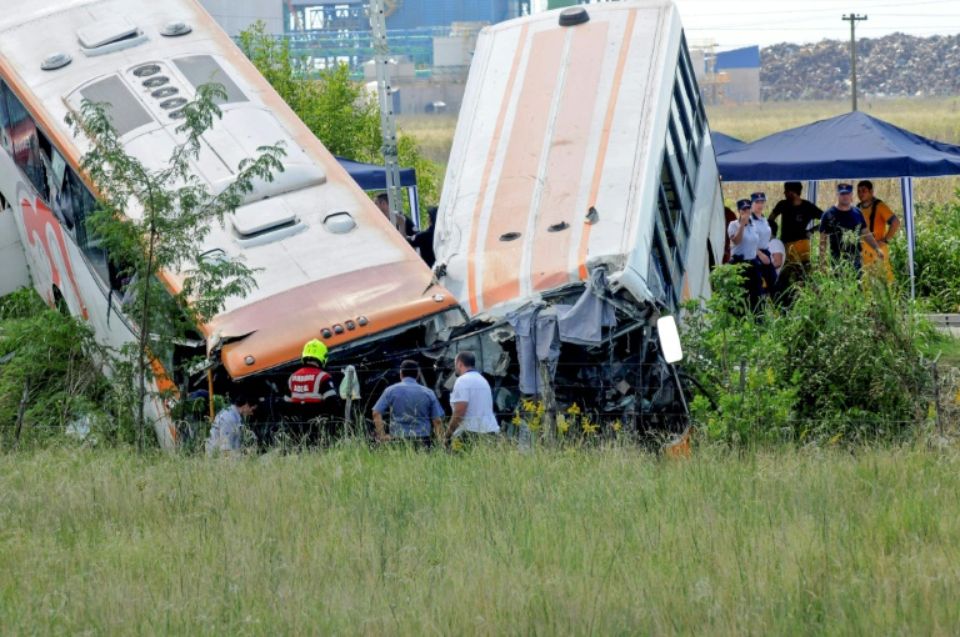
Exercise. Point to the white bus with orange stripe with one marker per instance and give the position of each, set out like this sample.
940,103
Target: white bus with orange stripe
328,264
582,146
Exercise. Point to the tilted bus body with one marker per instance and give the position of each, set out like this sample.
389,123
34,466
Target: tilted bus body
328,264
581,154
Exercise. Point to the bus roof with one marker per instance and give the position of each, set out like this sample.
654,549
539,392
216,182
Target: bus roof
303,234
556,150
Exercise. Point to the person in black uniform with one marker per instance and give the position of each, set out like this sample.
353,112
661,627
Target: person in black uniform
423,240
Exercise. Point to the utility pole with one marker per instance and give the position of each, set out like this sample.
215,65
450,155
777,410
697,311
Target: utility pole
388,123
853,18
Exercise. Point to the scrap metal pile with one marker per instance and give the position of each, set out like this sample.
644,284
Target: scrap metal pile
894,65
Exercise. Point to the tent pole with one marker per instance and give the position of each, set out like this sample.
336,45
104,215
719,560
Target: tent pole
906,190
812,191
413,195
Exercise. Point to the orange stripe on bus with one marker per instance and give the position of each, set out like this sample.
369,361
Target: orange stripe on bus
565,174
488,168
605,135
521,167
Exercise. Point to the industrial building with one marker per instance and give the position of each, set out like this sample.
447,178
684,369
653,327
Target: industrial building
234,16
742,67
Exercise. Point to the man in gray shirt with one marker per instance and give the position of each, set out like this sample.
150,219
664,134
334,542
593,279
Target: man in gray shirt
413,409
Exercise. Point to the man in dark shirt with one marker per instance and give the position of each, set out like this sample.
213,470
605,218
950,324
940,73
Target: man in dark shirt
383,203
798,214
843,226
423,241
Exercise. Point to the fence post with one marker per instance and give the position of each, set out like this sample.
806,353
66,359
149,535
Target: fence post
936,397
21,411
549,401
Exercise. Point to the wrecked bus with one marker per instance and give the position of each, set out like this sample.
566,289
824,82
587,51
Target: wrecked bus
327,263
581,204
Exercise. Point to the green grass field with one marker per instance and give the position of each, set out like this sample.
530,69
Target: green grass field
577,542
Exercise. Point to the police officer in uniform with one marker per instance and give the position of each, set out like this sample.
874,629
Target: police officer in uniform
768,271
744,242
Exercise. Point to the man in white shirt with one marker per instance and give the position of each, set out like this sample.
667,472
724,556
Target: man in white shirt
471,401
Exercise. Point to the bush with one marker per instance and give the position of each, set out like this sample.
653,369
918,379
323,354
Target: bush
936,256
47,377
844,362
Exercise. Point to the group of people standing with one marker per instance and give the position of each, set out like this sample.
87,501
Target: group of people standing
858,233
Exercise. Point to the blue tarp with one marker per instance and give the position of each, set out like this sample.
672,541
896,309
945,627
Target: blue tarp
373,177
850,146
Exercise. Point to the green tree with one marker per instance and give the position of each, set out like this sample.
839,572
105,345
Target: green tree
153,223
339,111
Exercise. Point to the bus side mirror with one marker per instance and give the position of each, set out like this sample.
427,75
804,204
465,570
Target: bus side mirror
669,339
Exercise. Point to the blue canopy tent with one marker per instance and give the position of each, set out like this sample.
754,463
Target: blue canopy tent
723,144
850,146
374,177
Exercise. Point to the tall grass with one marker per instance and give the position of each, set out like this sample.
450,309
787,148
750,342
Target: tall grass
493,542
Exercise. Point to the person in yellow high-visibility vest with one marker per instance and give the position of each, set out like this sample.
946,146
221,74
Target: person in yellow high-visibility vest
882,224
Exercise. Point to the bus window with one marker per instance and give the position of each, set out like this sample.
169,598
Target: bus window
74,205
24,140
121,105
4,122
203,69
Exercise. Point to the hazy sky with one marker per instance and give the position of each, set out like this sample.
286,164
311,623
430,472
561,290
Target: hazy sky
733,23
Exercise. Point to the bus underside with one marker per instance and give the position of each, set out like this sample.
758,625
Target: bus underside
581,349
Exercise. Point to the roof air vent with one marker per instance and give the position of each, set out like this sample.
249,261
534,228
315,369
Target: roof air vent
339,223
573,16
264,222
173,102
146,70
175,29
55,61
109,36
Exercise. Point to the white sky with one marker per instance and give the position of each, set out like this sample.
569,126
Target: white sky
734,23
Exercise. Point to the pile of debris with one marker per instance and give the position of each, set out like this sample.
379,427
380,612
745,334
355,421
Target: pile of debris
894,65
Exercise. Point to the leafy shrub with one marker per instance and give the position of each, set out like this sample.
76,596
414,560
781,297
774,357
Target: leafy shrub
47,377
842,363
936,257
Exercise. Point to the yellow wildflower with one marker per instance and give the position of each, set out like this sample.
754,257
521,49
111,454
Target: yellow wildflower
616,425
563,425
574,409
589,427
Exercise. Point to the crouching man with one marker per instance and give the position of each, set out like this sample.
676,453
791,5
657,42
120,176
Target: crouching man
226,433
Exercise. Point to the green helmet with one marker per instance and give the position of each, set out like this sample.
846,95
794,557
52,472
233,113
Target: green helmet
315,349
